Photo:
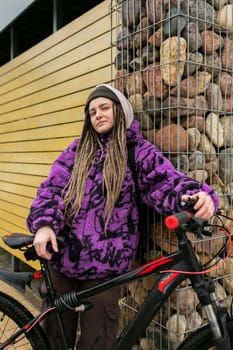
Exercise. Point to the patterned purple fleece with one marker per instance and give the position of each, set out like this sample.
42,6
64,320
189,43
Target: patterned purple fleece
88,252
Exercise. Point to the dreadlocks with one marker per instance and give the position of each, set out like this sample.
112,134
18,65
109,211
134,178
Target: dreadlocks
113,170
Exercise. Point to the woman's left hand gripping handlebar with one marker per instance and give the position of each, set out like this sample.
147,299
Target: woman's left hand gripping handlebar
204,205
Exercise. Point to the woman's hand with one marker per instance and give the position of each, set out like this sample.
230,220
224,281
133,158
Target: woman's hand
42,237
204,206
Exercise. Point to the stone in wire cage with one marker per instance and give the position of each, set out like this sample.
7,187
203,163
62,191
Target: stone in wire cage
173,59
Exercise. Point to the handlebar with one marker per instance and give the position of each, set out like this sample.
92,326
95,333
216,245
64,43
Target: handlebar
175,221
185,219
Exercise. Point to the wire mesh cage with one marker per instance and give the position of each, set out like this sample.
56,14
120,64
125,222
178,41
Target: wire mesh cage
173,59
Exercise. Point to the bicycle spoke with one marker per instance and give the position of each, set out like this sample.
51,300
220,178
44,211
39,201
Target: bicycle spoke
9,327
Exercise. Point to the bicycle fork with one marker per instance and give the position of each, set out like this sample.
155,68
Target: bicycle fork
216,315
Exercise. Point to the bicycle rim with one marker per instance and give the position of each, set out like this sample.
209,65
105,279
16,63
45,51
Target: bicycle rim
13,316
202,339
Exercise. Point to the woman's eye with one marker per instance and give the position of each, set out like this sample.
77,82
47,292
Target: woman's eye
106,108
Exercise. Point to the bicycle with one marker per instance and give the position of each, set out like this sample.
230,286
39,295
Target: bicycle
172,269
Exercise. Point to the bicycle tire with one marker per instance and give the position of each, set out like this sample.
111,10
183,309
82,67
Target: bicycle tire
13,316
202,339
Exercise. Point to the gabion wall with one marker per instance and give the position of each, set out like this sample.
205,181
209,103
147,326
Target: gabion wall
173,59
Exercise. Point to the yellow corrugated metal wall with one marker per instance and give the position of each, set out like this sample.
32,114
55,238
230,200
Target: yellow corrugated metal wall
42,94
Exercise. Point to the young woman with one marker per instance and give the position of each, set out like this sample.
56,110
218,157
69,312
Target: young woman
90,197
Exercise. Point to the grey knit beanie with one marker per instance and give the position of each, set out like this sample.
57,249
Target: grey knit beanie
104,90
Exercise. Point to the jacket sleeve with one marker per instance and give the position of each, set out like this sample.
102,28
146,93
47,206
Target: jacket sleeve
160,184
47,207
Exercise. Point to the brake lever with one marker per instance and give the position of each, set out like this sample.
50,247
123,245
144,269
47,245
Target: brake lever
188,204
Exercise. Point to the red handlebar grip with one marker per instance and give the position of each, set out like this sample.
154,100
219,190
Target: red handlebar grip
174,221
171,222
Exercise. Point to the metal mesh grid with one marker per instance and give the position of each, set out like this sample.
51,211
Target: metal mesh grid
173,59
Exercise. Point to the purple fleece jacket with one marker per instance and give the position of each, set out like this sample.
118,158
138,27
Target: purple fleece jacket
88,252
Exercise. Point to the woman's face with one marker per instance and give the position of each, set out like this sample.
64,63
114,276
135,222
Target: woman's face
101,111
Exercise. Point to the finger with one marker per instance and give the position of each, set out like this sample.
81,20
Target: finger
41,250
206,211
54,243
44,254
185,197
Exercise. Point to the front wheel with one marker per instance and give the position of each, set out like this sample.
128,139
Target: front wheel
202,339
13,316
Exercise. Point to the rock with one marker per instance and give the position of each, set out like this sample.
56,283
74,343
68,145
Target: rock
175,22
145,120
156,10
122,59
124,39
146,344
214,129
121,80
135,84
227,104
199,175
228,283
193,63
196,160
218,4
229,191
227,54
210,246
186,88
192,122
213,64
204,12
192,36
194,137
137,64
220,292
228,301
228,266
136,102
193,320
176,322
200,105
206,147
132,12
157,37
153,106
180,161
154,83
202,79
210,41
225,82
211,167
224,203
229,224
150,54
224,17
172,59
217,184
142,33
149,135
226,157
184,300
227,125
214,97
187,106
219,271
172,138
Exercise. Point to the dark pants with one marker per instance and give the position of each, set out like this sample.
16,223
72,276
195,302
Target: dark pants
99,325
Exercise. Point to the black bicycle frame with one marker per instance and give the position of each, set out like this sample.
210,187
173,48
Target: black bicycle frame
184,260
